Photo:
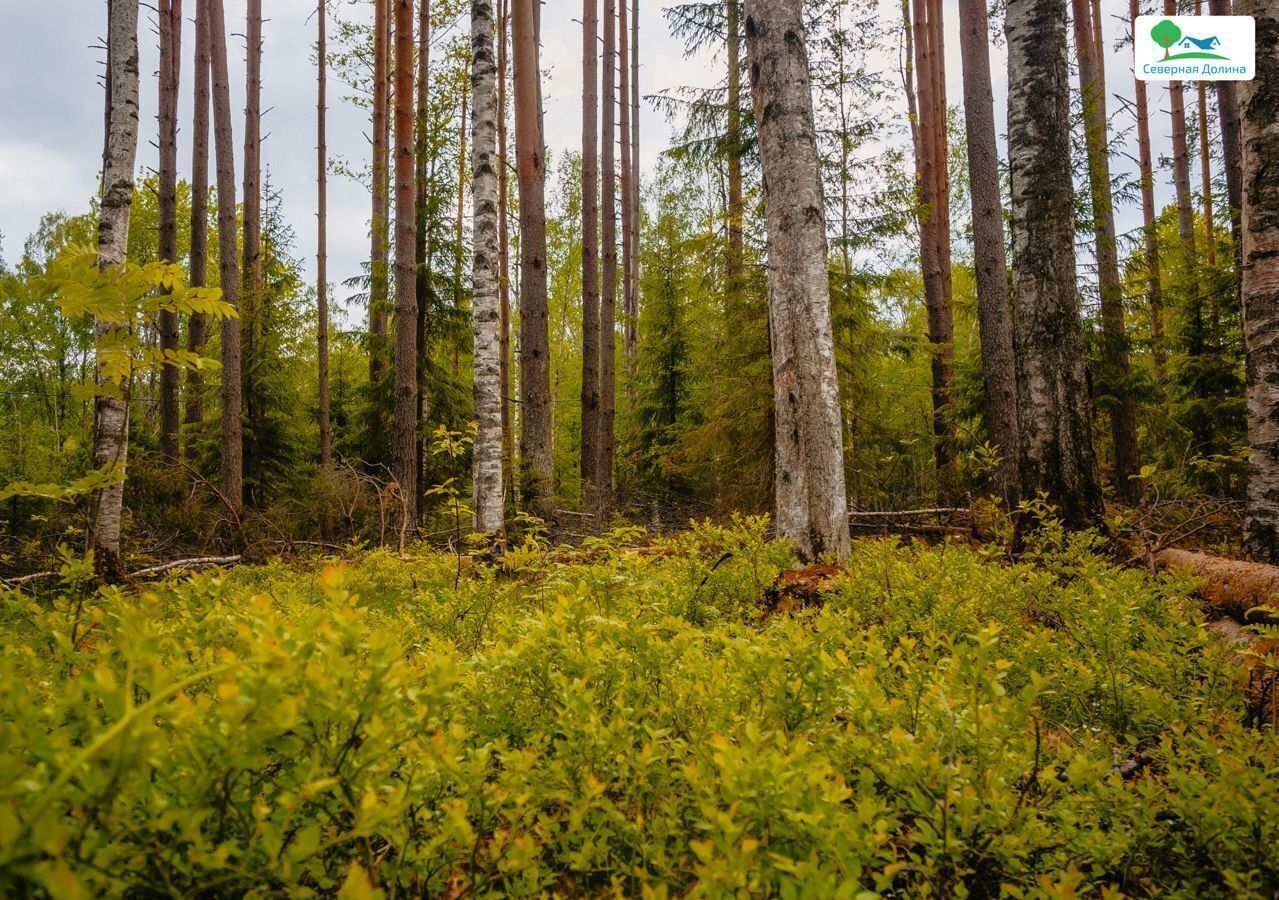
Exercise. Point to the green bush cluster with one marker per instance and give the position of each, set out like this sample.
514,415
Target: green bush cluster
611,722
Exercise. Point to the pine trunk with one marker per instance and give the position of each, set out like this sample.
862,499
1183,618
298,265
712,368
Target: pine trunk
812,508
405,412
322,236
1115,372
379,228
504,245
489,498
590,255
231,480
1231,151
537,476
169,15
423,213
736,204
251,275
111,408
632,314
1259,102
1186,223
608,261
1054,409
1150,232
197,327
628,174
990,261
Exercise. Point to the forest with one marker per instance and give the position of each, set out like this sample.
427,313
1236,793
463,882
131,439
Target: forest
854,488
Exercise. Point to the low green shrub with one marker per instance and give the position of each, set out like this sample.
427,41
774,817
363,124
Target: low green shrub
613,722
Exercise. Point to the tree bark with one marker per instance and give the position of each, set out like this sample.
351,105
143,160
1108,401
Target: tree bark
1154,288
231,480
487,461
990,262
1231,151
1205,175
537,476
812,507
504,245
197,327
322,236
1259,103
1054,409
1115,370
736,204
632,314
421,205
405,412
608,281
590,255
628,174
379,229
251,276
111,407
169,15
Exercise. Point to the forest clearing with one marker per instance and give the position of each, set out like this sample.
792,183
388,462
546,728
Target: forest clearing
832,453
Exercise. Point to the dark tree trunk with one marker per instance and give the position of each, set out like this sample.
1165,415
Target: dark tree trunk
197,327
1054,409
322,236
404,417
608,256
169,14
590,255
736,204
1228,111
1154,288
379,253
251,276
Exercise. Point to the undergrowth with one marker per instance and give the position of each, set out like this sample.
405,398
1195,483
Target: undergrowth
618,722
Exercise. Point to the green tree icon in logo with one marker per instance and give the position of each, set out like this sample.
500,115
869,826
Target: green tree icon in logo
1165,34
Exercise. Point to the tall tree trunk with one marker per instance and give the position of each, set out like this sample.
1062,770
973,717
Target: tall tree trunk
537,476
1154,288
169,14
632,314
628,174
504,245
1205,173
1115,371
459,233
1259,102
251,277
421,205
487,474
379,253
231,481
111,408
322,236
990,261
590,255
1186,214
1231,151
935,231
404,417
736,204
812,506
1054,409
196,325
608,281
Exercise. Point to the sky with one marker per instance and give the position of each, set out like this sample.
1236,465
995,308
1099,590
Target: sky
51,106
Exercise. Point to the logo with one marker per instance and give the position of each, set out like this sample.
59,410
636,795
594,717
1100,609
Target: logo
1195,48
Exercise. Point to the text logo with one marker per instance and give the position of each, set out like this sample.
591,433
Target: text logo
1195,48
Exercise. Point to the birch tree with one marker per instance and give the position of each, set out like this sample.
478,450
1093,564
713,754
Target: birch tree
811,506
487,460
111,405
1259,104
1054,409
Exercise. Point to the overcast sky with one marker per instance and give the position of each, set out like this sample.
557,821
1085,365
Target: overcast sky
51,106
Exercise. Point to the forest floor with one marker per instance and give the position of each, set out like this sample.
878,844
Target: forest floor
641,721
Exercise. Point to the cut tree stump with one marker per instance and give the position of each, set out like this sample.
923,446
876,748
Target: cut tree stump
798,589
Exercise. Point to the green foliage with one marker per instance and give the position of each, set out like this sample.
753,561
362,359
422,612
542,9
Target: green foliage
615,722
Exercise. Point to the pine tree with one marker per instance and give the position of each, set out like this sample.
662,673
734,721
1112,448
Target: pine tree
590,456
197,327
404,430
169,15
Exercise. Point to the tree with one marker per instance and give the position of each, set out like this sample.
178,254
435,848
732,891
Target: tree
404,429
736,203
379,227
1115,375
999,370
934,228
608,280
1166,33
487,461
231,477
504,242
421,204
812,508
169,14
111,406
1228,113
322,237
1054,410
251,275
590,256
199,256
632,312
537,466
1150,233
1259,103
627,174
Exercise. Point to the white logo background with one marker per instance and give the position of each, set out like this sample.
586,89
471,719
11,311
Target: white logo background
1238,44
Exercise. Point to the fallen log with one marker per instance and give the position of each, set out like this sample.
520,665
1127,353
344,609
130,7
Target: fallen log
201,562
1230,586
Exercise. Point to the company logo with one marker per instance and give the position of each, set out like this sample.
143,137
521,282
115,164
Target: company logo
1195,48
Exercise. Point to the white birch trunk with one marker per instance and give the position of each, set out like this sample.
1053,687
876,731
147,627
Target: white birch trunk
111,425
487,318
812,508
1259,101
